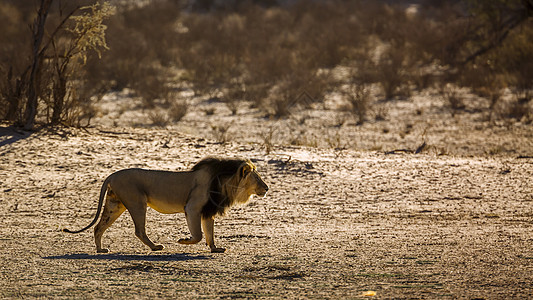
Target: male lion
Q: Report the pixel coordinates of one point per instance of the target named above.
(207, 190)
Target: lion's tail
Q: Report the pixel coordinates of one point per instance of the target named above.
(103, 192)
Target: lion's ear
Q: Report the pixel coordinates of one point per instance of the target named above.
(245, 170)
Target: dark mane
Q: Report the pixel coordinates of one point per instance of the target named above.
(221, 171)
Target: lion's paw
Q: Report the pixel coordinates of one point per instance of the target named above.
(218, 250)
(158, 248)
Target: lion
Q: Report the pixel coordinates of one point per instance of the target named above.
(211, 187)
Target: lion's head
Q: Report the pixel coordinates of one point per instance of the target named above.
(232, 181)
(250, 182)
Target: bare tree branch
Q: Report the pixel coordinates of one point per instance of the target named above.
(38, 32)
(515, 18)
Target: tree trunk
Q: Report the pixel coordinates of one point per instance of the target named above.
(14, 91)
(34, 79)
(60, 91)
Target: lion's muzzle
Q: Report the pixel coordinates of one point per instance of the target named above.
(262, 189)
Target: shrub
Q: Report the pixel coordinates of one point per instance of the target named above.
(178, 110)
(275, 55)
(519, 110)
(142, 47)
(358, 96)
(52, 74)
(221, 132)
(392, 73)
(451, 96)
(158, 118)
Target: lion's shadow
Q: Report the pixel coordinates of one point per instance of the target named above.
(131, 257)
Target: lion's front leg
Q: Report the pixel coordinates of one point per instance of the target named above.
(209, 225)
(193, 216)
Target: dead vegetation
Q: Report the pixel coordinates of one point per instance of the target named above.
(268, 54)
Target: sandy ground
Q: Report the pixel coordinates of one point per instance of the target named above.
(343, 219)
(337, 223)
(399, 124)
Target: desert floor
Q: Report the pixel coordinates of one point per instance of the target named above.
(344, 217)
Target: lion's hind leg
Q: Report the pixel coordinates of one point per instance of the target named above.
(137, 209)
(112, 210)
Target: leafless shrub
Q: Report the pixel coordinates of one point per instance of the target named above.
(220, 132)
(298, 90)
(142, 45)
(158, 118)
(380, 113)
(340, 117)
(451, 96)
(11, 91)
(493, 91)
(358, 96)
(234, 97)
(392, 72)
(336, 142)
(152, 86)
(79, 107)
(267, 140)
(515, 59)
(211, 50)
(243, 53)
(517, 109)
(178, 110)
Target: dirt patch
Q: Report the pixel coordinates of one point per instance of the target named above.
(336, 223)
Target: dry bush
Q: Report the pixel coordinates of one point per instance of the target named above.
(452, 98)
(267, 140)
(487, 84)
(508, 66)
(178, 110)
(211, 51)
(47, 83)
(14, 51)
(268, 55)
(158, 118)
(298, 90)
(515, 59)
(234, 96)
(392, 49)
(168, 109)
(152, 87)
(142, 44)
(121, 67)
(392, 73)
(358, 96)
(401, 54)
(438, 33)
(276, 55)
(84, 32)
(221, 132)
(513, 109)
(326, 32)
(520, 111)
